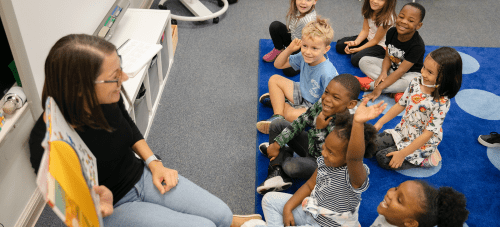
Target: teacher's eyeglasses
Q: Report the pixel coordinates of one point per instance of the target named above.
(117, 80)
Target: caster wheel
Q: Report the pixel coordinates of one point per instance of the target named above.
(216, 20)
(173, 22)
(220, 3)
(162, 6)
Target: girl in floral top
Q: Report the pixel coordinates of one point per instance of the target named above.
(414, 141)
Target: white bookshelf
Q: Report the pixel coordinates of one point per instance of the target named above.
(148, 26)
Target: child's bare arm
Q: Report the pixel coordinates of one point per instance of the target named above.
(399, 156)
(356, 146)
(361, 36)
(396, 75)
(282, 61)
(392, 113)
(384, 81)
(297, 198)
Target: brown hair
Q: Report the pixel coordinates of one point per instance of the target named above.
(449, 78)
(71, 67)
(319, 28)
(384, 17)
(292, 12)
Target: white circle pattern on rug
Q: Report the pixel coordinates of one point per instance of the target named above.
(479, 103)
(469, 64)
(420, 171)
(494, 156)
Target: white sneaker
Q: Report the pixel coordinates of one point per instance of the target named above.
(253, 223)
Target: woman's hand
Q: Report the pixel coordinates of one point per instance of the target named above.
(322, 121)
(106, 200)
(288, 219)
(273, 150)
(163, 178)
(397, 159)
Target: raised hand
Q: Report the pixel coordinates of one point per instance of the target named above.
(365, 113)
(295, 45)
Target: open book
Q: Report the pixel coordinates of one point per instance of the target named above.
(68, 172)
(136, 54)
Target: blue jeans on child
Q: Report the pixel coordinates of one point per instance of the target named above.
(272, 205)
(187, 204)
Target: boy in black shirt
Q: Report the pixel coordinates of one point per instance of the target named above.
(403, 59)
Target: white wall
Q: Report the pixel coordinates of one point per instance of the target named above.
(32, 27)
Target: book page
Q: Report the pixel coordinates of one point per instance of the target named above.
(136, 54)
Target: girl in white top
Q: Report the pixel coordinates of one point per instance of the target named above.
(299, 14)
(378, 18)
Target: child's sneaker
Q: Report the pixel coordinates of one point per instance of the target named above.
(398, 96)
(263, 126)
(491, 140)
(253, 223)
(240, 220)
(263, 148)
(276, 181)
(265, 99)
(364, 82)
(271, 56)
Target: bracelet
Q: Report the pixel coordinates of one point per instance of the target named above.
(150, 159)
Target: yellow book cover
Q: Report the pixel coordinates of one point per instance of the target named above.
(68, 172)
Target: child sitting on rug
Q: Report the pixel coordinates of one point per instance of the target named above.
(403, 59)
(378, 17)
(299, 14)
(340, 95)
(331, 197)
(416, 203)
(413, 143)
(315, 73)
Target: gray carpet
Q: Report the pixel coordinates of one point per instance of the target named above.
(205, 124)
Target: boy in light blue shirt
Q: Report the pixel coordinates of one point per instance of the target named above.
(290, 99)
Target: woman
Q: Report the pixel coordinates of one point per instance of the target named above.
(83, 75)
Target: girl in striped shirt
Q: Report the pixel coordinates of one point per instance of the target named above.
(331, 197)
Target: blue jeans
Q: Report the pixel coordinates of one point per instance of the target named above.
(184, 205)
(272, 205)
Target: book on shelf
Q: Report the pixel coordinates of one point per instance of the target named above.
(68, 172)
(136, 54)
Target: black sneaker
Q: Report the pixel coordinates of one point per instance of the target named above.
(265, 99)
(263, 148)
(276, 181)
(491, 140)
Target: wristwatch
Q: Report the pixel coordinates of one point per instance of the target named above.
(151, 158)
